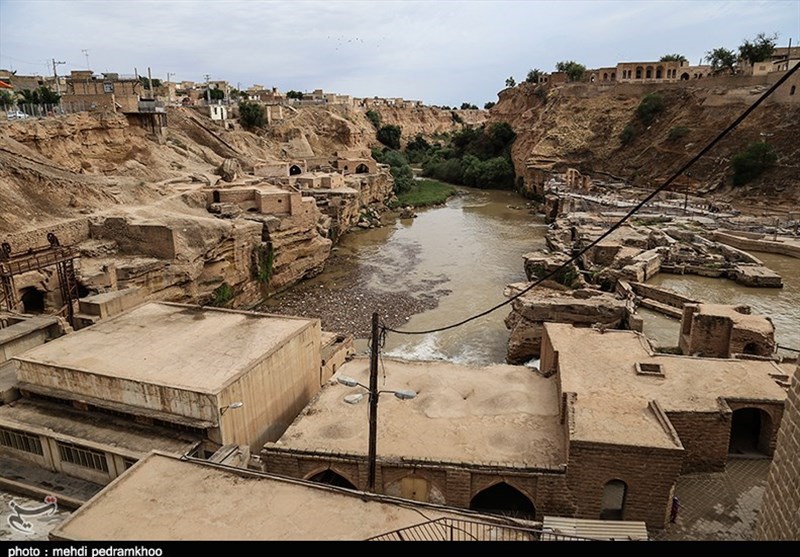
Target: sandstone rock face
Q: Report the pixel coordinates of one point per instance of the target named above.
(583, 308)
(229, 170)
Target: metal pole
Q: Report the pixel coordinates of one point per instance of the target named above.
(373, 403)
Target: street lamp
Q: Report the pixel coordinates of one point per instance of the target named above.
(231, 406)
(373, 394)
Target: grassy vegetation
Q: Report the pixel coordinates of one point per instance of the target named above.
(424, 193)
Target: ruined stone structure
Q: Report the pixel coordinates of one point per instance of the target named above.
(649, 71)
(780, 508)
(107, 92)
(719, 331)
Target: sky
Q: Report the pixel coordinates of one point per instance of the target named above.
(443, 52)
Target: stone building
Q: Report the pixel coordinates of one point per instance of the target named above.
(208, 502)
(109, 91)
(649, 72)
(602, 431)
(171, 377)
(720, 331)
(780, 508)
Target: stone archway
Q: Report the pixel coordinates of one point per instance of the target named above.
(503, 499)
(362, 169)
(32, 300)
(684, 76)
(294, 170)
(330, 477)
(751, 430)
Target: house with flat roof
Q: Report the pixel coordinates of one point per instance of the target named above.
(172, 377)
(165, 498)
(602, 430)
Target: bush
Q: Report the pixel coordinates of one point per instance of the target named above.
(651, 106)
(222, 295)
(251, 115)
(752, 162)
(374, 117)
(677, 132)
(488, 105)
(390, 136)
(456, 118)
(627, 135)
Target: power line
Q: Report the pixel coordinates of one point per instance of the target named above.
(619, 223)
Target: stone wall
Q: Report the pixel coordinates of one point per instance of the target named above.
(705, 437)
(780, 508)
(155, 240)
(762, 244)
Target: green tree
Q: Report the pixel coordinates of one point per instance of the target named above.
(752, 162)
(759, 50)
(468, 106)
(651, 106)
(6, 98)
(573, 70)
(390, 136)
(41, 95)
(294, 95)
(374, 117)
(251, 115)
(214, 94)
(627, 135)
(144, 81)
(722, 59)
(510, 82)
(488, 105)
(673, 58)
(534, 76)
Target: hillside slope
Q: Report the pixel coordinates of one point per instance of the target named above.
(581, 124)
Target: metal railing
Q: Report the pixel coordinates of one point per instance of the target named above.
(459, 530)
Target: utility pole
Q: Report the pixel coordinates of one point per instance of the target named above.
(208, 91)
(55, 74)
(150, 83)
(169, 89)
(372, 457)
(86, 54)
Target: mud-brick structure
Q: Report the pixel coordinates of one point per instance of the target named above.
(602, 430)
(780, 509)
(170, 377)
(719, 331)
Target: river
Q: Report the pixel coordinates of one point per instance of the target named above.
(454, 261)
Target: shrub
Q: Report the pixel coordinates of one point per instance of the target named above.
(677, 132)
(222, 295)
(488, 105)
(627, 135)
(752, 162)
(375, 118)
(651, 106)
(390, 136)
(251, 115)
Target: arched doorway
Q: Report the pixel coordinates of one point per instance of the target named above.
(505, 500)
(32, 300)
(294, 170)
(751, 348)
(613, 504)
(362, 169)
(684, 76)
(750, 432)
(330, 477)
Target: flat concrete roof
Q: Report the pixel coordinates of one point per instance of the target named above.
(612, 398)
(92, 429)
(163, 498)
(499, 415)
(198, 349)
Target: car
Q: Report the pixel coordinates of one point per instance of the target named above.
(16, 115)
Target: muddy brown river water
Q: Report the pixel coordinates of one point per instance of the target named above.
(454, 261)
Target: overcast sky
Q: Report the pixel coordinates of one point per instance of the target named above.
(442, 52)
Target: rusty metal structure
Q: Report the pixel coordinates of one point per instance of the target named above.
(36, 259)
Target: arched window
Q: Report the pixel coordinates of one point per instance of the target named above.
(505, 500)
(613, 505)
(638, 72)
(332, 478)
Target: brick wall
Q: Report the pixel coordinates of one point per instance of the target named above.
(705, 437)
(780, 508)
(137, 239)
(771, 416)
(649, 473)
(710, 336)
(68, 232)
